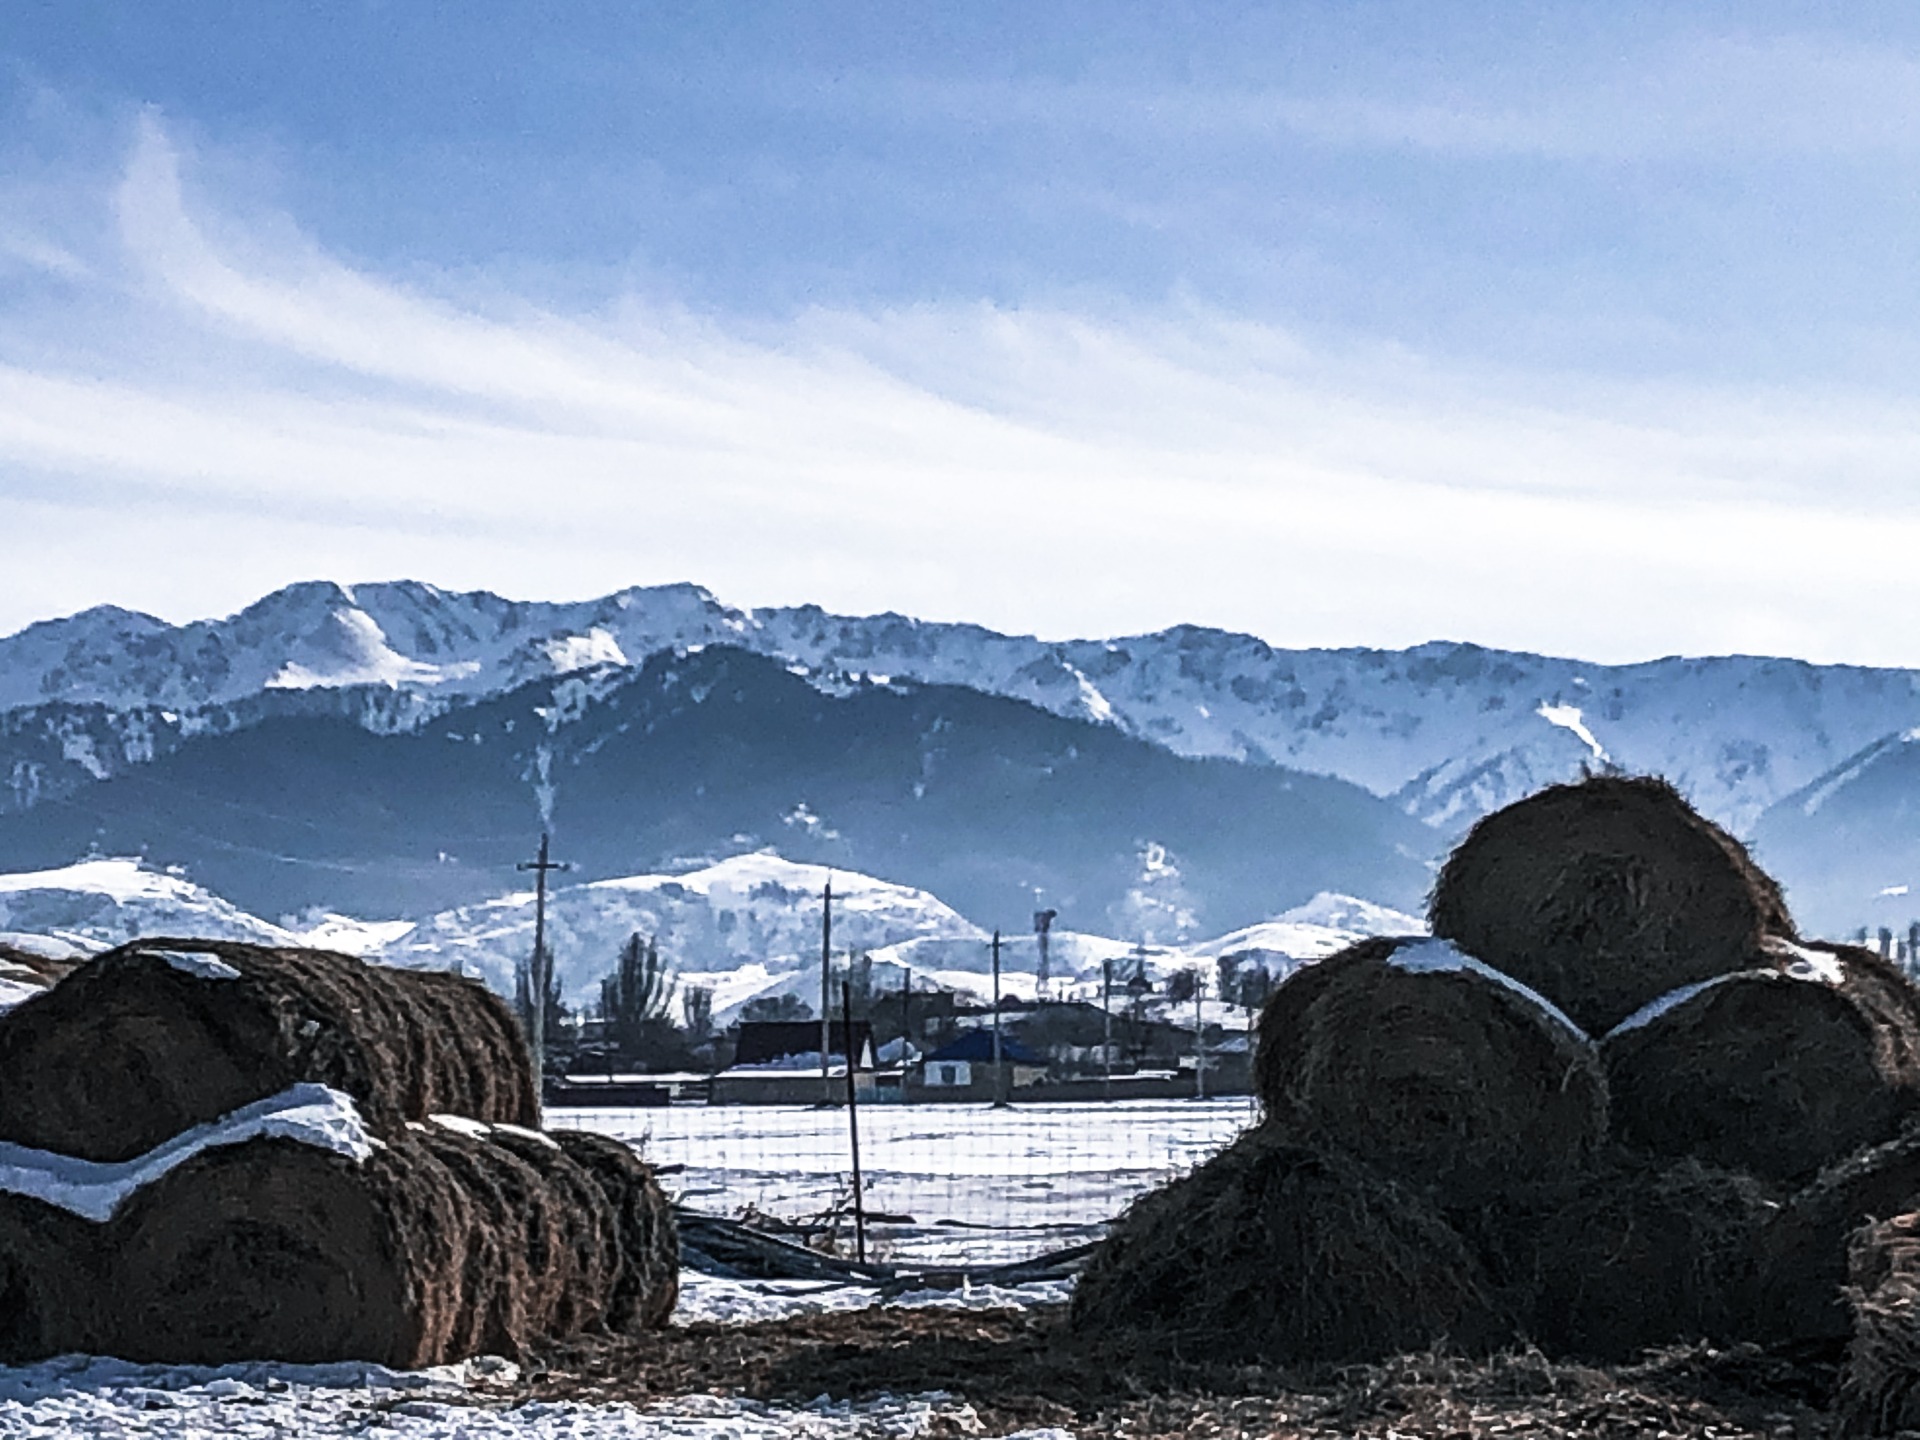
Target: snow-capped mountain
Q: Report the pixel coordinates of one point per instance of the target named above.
(700, 755)
(1448, 730)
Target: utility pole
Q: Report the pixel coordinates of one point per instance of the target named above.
(826, 994)
(1106, 1026)
(1043, 968)
(1199, 1035)
(540, 967)
(999, 1067)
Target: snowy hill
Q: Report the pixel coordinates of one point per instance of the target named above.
(746, 927)
(100, 903)
(1448, 730)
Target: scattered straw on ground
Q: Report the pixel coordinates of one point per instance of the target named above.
(1019, 1369)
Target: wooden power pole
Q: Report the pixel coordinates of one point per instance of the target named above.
(826, 994)
(539, 967)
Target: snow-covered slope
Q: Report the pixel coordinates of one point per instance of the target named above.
(99, 903)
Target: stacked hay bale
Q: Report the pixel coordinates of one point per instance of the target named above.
(214, 1152)
(1614, 1095)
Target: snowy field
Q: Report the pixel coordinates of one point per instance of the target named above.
(968, 1182)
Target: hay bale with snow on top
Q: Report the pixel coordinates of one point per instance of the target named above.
(1880, 1384)
(647, 1286)
(1633, 1256)
(1779, 1070)
(1604, 895)
(1431, 1067)
(1279, 1253)
(51, 1287)
(436, 1246)
(158, 1036)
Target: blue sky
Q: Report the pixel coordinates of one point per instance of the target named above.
(1580, 328)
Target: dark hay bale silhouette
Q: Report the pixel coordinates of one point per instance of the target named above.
(1804, 1262)
(1880, 1386)
(50, 1282)
(1604, 895)
(1280, 1253)
(1633, 1256)
(1433, 1071)
(1778, 1071)
(441, 1245)
(647, 1286)
(188, 1049)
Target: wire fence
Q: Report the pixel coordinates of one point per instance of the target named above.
(946, 1184)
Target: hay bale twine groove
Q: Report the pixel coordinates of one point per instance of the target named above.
(1276, 1252)
(647, 1286)
(1779, 1070)
(1605, 894)
(439, 1246)
(199, 1028)
(1432, 1068)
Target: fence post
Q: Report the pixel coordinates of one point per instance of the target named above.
(853, 1126)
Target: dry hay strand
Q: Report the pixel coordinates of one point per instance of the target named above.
(1804, 1247)
(1779, 1070)
(1448, 1077)
(1605, 894)
(440, 1246)
(1276, 1252)
(647, 1285)
(1880, 1386)
(188, 1049)
(1629, 1258)
(50, 1283)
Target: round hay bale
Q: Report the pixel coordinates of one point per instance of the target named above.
(1630, 1257)
(1880, 1384)
(1432, 1068)
(50, 1283)
(1279, 1253)
(440, 1246)
(647, 1285)
(1804, 1247)
(198, 1028)
(1778, 1070)
(1604, 894)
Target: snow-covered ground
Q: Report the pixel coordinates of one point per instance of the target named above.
(976, 1184)
(78, 1395)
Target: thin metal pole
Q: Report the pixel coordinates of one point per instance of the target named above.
(853, 1127)
(826, 990)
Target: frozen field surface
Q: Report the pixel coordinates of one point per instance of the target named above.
(958, 1182)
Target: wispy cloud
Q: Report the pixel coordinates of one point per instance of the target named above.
(1026, 468)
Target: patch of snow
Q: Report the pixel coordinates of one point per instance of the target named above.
(79, 749)
(266, 1400)
(354, 937)
(711, 1300)
(357, 653)
(201, 967)
(313, 1115)
(1430, 957)
(1893, 890)
(12, 992)
(1568, 717)
(1654, 1009)
(577, 652)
